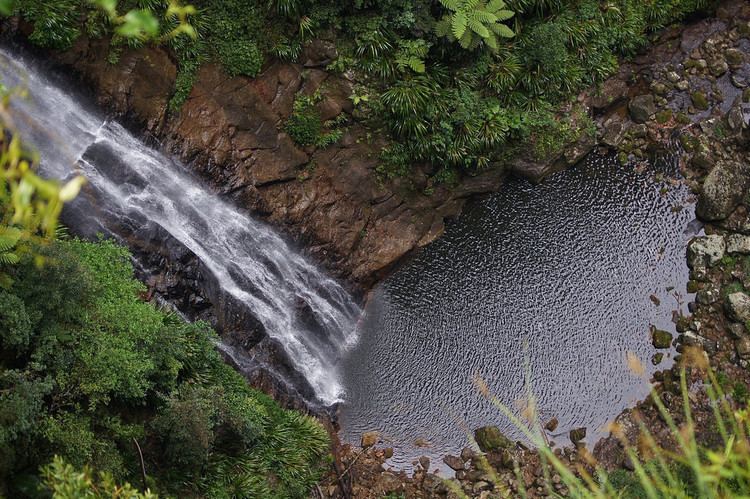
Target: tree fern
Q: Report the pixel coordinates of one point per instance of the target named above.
(475, 22)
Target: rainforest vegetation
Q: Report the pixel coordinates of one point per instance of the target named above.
(456, 84)
(99, 387)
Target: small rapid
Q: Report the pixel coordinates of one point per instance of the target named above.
(305, 311)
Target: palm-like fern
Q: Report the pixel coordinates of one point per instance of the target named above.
(472, 22)
(9, 237)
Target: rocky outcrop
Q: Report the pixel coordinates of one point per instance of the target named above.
(330, 199)
(723, 190)
(230, 130)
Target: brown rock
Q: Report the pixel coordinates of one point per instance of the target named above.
(551, 424)
(453, 462)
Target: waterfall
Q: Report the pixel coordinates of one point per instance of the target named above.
(247, 258)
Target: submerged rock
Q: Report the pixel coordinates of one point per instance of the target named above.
(490, 438)
(705, 251)
(723, 190)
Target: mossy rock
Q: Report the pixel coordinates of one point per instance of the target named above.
(661, 339)
(746, 95)
(699, 100)
(490, 438)
(664, 116)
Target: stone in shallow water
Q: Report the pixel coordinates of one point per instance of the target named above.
(490, 438)
(738, 306)
(577, 435)
(661, 338)
(455, 463)
(551, 424)
(705, 251)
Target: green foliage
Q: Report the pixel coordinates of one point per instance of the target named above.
(65, 482)
(87, 369)
(305, 126)
(473, 22)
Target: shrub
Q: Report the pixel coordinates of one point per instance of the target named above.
(87, 368)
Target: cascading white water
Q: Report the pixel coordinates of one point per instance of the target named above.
(247, 258)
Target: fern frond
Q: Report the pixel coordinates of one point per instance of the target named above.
(478, 28)
(458, 24)
(503, 15)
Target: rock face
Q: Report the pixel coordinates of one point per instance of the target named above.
(705, 251)
(230, 130)
(723, 190)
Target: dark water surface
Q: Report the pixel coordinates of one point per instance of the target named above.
(559, 275)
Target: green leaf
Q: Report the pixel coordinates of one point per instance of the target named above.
(503, 31)
(479, 28)
(491, 42)
(443, 26)
(453, 5)
(502, 15)
(458, 24)
(495, 5)
(465, 41)
(416, 65)
(484, 17)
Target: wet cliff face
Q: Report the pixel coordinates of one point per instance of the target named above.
(231, 131)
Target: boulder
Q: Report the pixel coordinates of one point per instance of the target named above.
(424, 462)
(455, 463)
(489, 438)
(718, 66)
(738, 306)
(660, 338)
(734, 57)
(738, 243)
(705, 251)
(577, 435)
(699, 100)
(742, 346)
(641, 108)
(551, 424)
(723, 190)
